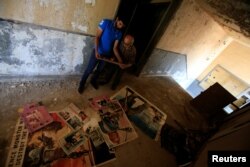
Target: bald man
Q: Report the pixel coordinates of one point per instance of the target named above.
(128, 54)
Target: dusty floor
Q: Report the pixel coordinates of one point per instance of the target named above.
(56, 93)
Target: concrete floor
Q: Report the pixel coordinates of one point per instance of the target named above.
(56, 93)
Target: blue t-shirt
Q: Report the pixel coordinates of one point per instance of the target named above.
(109, 35)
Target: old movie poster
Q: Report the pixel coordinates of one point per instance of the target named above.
(100, 151)
(139, 110)
(114, 125)
(72, 141)
(42, 148)
(35, 116)
(71, 116)
(18, 145)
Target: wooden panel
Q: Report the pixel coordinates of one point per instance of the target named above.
(230, 82)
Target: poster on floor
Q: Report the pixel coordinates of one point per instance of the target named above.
(35, 116)
(100, 151)
(73, 117)
(114, 125)
(116, 128)
(42, 148)
(139, 110)
(18, 145)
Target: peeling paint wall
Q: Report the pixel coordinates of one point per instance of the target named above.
(233, 16)
(71, 15)
(194, 33)
(40, 48)
(33, 50)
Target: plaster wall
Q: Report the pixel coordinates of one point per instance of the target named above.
(33, 50)
(49, 37)
(70, 15)
(194, 33)
(235, 58)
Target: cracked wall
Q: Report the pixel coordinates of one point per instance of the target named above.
(27, 49)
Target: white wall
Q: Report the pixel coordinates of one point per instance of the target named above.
(194, 33)
(71, 15)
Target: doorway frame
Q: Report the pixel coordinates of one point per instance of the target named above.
(159, 31)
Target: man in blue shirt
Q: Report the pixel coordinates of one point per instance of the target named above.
(106, 43)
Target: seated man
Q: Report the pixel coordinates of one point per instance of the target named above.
(128, 52)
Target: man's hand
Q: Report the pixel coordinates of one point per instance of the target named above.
(123, 66)
(97, 55)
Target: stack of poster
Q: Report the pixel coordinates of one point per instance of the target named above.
(35, 117)
(75, 119)
(72, 137)
(42, 148)
(139, 110)
(114, 125)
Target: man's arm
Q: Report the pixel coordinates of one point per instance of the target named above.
(116, 51)
(97, 39)
(132, 55)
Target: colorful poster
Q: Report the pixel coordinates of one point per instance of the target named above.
(80, 112)
(72, 141)
(35, 117)
(18, 145)
(43, 148)
(73, 116)
(96, 136)
(99, 103)
(115, 126)
(139, 110)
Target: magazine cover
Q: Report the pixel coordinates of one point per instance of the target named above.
(43, 148)
(35, 117)
(144, 114)
(70, 116)
(115, 126)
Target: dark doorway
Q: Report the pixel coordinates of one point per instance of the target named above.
(147, 21)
